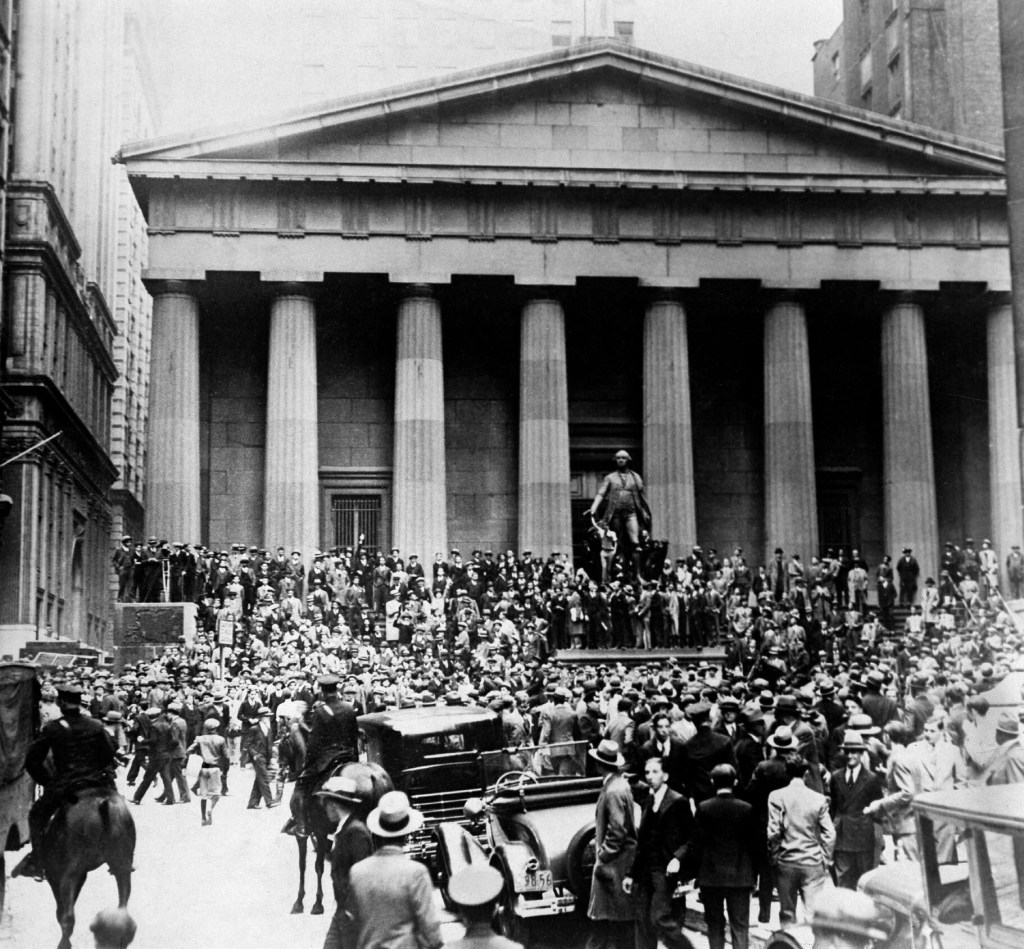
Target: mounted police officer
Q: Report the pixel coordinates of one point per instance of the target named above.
(84, 755)
(333, 740)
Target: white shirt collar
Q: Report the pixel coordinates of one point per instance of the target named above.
(659, 796)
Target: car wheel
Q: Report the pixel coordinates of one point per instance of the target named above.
(580, 857)
(507, 923)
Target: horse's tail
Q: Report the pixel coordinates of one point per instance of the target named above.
(105, 814)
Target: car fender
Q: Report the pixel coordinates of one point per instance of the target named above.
(456, 850)
(514, 859)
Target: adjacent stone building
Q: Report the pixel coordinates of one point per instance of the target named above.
(431, 314)
(71, 289)
(935, 62)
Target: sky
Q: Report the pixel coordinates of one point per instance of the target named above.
(221, 60)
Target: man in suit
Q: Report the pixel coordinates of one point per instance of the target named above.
(908, 570)
(700, 755)
(769, 775)
(801, 841)
(749, 744)
(347, 808)
(724, 840)
(559, 727)
(611, 909)
(123, 562)
(259, 744)
(853, 788)
(666, 826)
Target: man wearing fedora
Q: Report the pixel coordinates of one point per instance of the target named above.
(347, 807)
(801, 839)
(1006, 766)
(611, 909)
(769, 775)
(854, 787)
(475, 891)
(259, 744)
(390, 897)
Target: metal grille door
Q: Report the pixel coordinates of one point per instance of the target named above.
(355, 514)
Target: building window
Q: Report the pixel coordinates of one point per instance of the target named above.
(892, 39)
(836, 66)
(355, 514)
(624, 31)
(866, 71)
(561, 32)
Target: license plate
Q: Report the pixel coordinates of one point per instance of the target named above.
(537, 881)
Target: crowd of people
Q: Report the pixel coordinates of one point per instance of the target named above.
(824, 708)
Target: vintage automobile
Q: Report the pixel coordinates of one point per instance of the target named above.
(978, 902)
(538, 832)
(487, 803)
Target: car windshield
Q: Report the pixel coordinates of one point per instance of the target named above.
(1005, 881)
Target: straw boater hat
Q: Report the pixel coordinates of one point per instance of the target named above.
(782, 739)
(341, 790)
(394, 816)
(475, 886)
(607, 753)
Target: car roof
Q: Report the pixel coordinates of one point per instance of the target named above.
(999, 807)
(426, 721)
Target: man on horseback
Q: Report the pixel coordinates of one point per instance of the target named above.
(84, 755)
(333, 741)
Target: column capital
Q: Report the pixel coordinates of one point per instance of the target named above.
(653, 295)
(894, 298)
(289, 288)
(415, 291)
(772, 298)
(160, 287)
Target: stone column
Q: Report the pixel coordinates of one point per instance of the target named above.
(545, 518)
(420, 487)
(291, 487)
(1004, 461)
(908, 479)
(668, 427)
(172, 470)
(791, 505)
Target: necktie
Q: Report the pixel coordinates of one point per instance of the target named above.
(849, 776)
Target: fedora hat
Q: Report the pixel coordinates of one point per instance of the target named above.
(608, 754)
(863, 723)
(1008, 724)
(853, 741)
(394, 816)
(782, 739)
(787, 703)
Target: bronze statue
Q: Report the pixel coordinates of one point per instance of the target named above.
(626, 511)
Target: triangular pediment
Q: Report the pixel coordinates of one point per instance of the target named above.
(599, 106)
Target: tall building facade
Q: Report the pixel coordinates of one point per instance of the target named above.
(67, 292)
(432, 313)
(934, 62)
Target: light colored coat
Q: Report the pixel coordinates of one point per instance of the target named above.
(616, 842)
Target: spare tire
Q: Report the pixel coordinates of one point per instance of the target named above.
(580, 857)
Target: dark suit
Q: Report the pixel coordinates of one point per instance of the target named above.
(351, 844)
(768, 776)
(662, 836)
(725, 843)
(855, 833)
(259, 746)
(697, 757)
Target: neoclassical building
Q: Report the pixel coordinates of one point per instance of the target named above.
(430, 315)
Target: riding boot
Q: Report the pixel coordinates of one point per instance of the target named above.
(29, 864)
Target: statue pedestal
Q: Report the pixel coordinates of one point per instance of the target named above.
(142, 631)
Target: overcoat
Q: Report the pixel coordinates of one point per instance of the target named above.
(616, 849)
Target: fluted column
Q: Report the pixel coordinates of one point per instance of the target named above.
(909, 466)
(545, 519)
(420, 486)
(291, 500)
(1004, 461)
(791, 506)
(668, 427)
(172, 468)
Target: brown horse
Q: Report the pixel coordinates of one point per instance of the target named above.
(373, 780)
(93, 827)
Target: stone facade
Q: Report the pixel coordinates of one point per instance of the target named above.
(546, 209)
(934, 62)
(71, 287)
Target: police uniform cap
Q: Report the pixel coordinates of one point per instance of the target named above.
(475, 886)
(328, 681)
(153, 711)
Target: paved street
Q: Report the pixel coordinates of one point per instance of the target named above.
(230, 886)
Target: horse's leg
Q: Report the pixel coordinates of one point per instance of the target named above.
(297, 905)
(123, 877)
(69, 887)
(320, 848)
